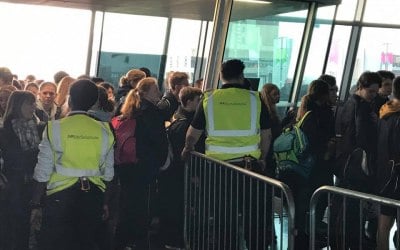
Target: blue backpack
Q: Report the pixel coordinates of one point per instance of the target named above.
(291, 151)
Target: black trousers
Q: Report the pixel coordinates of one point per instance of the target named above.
(134, 219)
(16, 213)
(70, 219)
(171, 190)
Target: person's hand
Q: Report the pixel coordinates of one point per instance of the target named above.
(106, 212)
(185, 154)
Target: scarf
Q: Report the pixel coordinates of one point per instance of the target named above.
(27, 133)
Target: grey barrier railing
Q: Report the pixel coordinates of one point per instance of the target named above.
(229, 207)
(346, 217)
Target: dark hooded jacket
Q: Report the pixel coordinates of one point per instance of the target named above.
(358, 129)
(388, 141)
(151, 139)
(121, 92)
(319, 129)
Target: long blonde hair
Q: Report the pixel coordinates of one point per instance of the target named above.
(132, 100)
(267, 99)
(63, 90)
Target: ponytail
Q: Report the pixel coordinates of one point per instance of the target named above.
(131, 104)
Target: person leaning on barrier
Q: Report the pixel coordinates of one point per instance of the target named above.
(171, 180)
(75, 162)
(388, 161)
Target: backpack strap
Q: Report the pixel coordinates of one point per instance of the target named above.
(300, 123)
(173, 123)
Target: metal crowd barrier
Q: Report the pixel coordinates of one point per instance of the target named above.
(228, 207)
(346, 217)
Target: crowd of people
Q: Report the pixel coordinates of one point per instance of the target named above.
(61, 189)
(54, 134)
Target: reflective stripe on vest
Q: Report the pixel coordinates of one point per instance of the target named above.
(75, 171)
(232, 150)
(211, 124)
(53, 185)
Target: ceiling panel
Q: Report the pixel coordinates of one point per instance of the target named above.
(189, 9)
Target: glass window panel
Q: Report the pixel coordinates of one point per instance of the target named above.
(183, 47)
(42, 40)
(337, 53)
(378, 50)
(204, 50)
(318, 47)
(131, 41)
(134, 34)
(382, 11)
(346, 10)
(267, 39)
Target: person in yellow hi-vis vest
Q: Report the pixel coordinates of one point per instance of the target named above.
(235, 120)
(238, 131)
(75, 163)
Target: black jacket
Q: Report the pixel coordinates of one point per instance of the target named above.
(358, 127)
(379, 101)
(168, 105)
(388, 141)
(16, 160)
(44, 117)
(151, 139)
(319, 128)
(177, 133)
(121, 92)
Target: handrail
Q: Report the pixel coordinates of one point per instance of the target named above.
(355, 194)
(276, 183)
(285, 190)
(346, 193)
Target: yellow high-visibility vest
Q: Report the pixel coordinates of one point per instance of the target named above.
(232, 123)
(80, 146)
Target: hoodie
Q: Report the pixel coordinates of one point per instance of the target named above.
(388, 140)
(389, 108)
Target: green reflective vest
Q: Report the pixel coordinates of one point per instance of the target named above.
(232, 123)
(80, 146)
